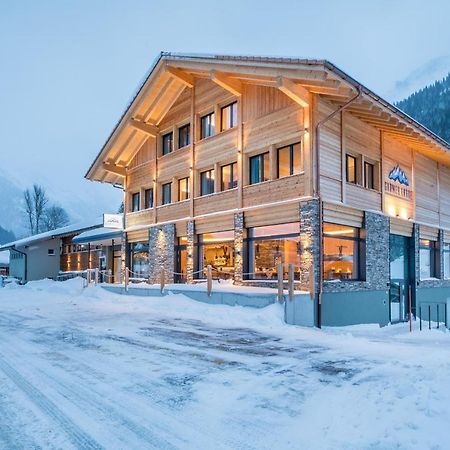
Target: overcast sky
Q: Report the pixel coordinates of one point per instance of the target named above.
(68, 68)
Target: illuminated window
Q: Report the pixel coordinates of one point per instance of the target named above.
(343, 252)
(289, 160)
(216, 250)
(207, 182)
(207, 126)
(369, 175)
(148, 198)
(166, 193)
(269, 246)
(184, 136)
(429, 259)
(228, 116)
(351, 171)
(139, 259)
(167, 143)
(259, 168)
(183, 189)
(228, 176)
(135, 201)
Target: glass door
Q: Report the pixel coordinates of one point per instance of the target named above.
(399, 258)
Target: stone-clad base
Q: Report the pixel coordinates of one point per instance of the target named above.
(162, 253)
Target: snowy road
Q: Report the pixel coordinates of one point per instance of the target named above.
(90, 370)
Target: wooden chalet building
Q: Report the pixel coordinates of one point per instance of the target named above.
(247, 162)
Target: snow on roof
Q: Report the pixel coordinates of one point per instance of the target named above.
(97, 234)
(63, 231)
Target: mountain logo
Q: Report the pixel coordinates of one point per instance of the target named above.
(398, 174)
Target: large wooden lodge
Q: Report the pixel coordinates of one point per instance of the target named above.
(243, 163)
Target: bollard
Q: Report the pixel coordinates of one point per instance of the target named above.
(280, 273)
(162, 280)
(437, 313)
(291, 281)
(209, 280)
(429, 317)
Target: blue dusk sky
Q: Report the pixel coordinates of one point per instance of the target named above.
(68, 68)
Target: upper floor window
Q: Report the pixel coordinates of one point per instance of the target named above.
(289, 160)
(369, 175)
(350, 169)
(259, 168)
(228, 116)
(207, 125)
(148, 198)
(183, 189)
(166, 193)
(228, 176)
(167, 143)
(135, 201)
(184, 136)
(207, 182)
(429, 259)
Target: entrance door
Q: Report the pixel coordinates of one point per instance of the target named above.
(400, 268)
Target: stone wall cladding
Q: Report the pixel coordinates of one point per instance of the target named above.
(162, 252)
(377, 228)
(238, 247)
(190, 234)
(309, 241)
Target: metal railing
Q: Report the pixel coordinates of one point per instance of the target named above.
(428, 307)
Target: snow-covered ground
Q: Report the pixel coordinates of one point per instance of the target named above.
(89, 369)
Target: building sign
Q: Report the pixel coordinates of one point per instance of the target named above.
(398, 184)
(113, 221)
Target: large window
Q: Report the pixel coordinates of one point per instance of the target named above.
(270, 246)
(350, 166)
(167, 143)
(207, 182)
(289, 160)
(228, 176)
(184, 136)
(166, 193)
(228, 116)
(135, 201)
(207, 126)
(429, 262)
(259, 168)
(446, 251)
(148, 198)
(139, 259)
(217, 250)
(183, 189)
(343, 252)
(369, 175)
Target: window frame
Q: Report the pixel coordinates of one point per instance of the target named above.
(169, 135)
(163, 199)
(233, 169)
(349, 156)
(211, 126)
(135, 205)
(434, 254)
(202, 174)
(146, 197)
(261, 156)
(180, 130)
(232, 122)
(372, 166)
(188, 193)
(291, 159)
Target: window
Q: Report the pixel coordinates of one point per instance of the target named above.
(166, 193)
(351, 173)
(139, 259)
(217, 250)
(207, 126)
(51, 252)
(135, 201)
(184, 136)
(428, 257)
(207, 182)
(446, 251)
(369, 175)
(167, 143)
(269, 246)
(289, 160)
(343, 253)
(228, 116)
(259, 168)
(148, 198)
(228, 176)
(183, 189)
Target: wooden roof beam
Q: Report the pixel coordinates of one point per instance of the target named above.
(294, 91)
(147, 128)
(180, 75)
(116, 170)
(224, 81)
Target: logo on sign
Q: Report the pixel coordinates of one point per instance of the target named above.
(398, 183)
(113, 221)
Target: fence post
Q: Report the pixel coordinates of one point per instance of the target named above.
(162, 280)
(429, 317)
(127, 279)
(420, 313)
(291, 281)
(280, 273)
(209, 279)
(437, 314)
(96, 276)
(410, 308)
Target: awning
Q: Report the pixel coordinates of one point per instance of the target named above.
(97, 235)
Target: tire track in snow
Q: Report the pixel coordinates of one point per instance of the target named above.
(78, 437)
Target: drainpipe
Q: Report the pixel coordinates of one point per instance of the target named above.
(25, 258)
(319, 197)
